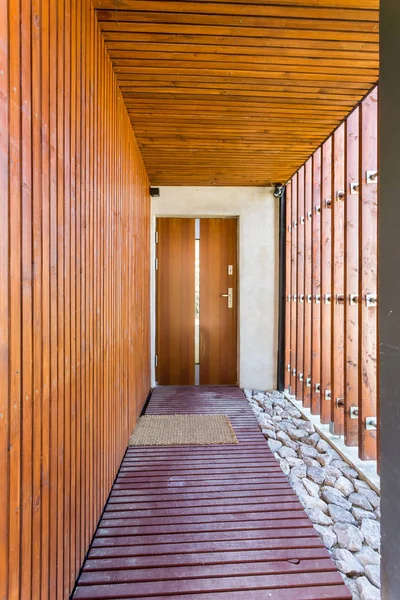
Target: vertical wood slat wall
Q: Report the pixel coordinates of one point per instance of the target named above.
(74, 290)
(331, 331)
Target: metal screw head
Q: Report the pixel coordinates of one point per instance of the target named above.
(371, 176)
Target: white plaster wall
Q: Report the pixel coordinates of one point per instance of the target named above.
(257, 210)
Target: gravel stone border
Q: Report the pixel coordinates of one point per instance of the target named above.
(344, 509)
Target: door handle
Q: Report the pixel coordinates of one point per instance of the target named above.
(229, 295)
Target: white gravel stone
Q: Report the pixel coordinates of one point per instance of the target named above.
(312, 502)
(296, 434)
(361, 485)
(360, 500)
(311, 487)
(366, 590)
(367, 556)
(284, 466)
(311, 462)
(361, 514)
(316, 474)
(349, 472)
(283, 437)
(285, 415)
(265, 421)
(333, 472)
(318, 517)
(373, 572)
(274, 445)
(331, 475)
(269, 434)
(349, 536)
(372, 497)
(259, 396)
(313, 439)
(299, 471)
(323, 446)
(340, 515)
(308, 451)
(293, 412)
(306, 426)
(333, 496)
(278, 401)
(325, 459)
(328, 537)
(340, 464)
(294, 462)
(372, 533)
(347, 563)
(284, 452)
(298, 487)
(352, 586)
(344, 485)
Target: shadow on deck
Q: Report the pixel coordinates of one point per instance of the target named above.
(216, 522)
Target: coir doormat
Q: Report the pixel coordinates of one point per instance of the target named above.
(175, 430)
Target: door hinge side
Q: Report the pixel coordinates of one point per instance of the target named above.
(156, 237)
(156, 360)
(156, 264)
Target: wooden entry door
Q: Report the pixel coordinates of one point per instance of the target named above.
(218, 301)
(176, 292)
(175, 302)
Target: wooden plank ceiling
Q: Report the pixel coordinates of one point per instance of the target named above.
(238, 93)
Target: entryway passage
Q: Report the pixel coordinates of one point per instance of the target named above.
(217, 522)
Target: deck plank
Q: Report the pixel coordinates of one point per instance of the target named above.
(206, 522)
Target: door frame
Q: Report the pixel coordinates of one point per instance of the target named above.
(153, 289)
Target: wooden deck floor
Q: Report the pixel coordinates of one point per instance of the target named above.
(207, 522)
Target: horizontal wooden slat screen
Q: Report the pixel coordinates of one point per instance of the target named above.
(74, 290)
(343, 279)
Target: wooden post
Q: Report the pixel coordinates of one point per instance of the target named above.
(316, 286)
(326, 258)
(337, 303)
(308, 215)
(351, 308)
(368, 178)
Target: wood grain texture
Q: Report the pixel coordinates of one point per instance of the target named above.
(206, 522)
(308, 214)
(74, 290)
(326, 280)
(209, 85)
(351, 283)
(316, 284)
(175, 301)
(218, 323)
(337, 304)
(368, 275)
